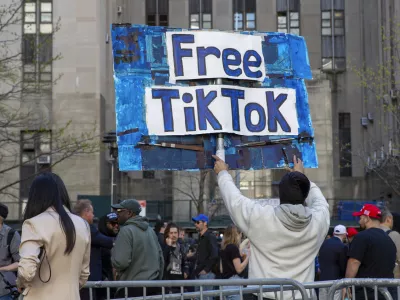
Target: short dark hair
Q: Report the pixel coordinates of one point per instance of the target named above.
(294, 188)
(159, 225)
(3, 211)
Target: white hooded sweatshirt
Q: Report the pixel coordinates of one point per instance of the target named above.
(285, 240)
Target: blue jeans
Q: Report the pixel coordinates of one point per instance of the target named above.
(210, 275)
(231, 287)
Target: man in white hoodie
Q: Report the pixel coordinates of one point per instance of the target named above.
(286, 239)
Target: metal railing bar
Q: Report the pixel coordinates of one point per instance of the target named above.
(185, 283)
(362, 282)
(213, 293)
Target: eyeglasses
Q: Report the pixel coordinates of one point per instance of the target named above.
(114, 224)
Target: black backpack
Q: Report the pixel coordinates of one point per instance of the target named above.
(9, 239)
(10, 236)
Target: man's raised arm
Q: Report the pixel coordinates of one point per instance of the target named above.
(240, 208)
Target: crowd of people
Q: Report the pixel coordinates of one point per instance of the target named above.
(61, 248)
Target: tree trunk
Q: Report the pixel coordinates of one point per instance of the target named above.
(202, 187)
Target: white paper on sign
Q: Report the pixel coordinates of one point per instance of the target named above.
(212, 109)
(208, 54)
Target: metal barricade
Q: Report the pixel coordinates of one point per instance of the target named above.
(379, 286)
(312, 286)
(241, 287)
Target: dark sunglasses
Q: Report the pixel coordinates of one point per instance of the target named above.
(114, 223)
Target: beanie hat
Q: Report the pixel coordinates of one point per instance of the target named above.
(294, 188)
(3, 211)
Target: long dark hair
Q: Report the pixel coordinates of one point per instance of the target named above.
(45, 193)
(63, 191)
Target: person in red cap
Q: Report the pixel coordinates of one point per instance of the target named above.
(351, 233)
(372, 253)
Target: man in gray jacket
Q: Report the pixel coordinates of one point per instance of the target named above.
(137, 255)
(387, 226)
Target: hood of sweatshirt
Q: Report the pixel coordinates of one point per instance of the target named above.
(139, 222)
(293, 217)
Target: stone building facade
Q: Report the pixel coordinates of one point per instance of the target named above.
(341, 36)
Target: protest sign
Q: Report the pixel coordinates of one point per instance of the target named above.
(215, 108)
(213, 54)
(169, 111)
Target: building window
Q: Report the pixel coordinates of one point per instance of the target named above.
(288, 14)
(37, 45)
(148, 174)
(244, 14)
(35, 157)
(157, 12)
(333, 35)
(345, 160)
(161, 208)
(200, 13)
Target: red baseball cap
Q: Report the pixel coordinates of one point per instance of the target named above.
(351, 232)
(369, 210)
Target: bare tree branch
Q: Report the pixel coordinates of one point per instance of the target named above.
(16, 115)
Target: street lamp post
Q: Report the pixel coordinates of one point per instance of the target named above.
(110, 139)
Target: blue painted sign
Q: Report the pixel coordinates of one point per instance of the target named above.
(168, 109)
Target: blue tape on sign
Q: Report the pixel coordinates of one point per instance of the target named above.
(140, 61)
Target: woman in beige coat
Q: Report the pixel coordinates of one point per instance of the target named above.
(55, 244)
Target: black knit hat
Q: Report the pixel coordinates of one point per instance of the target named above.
(294, 188)
(3, 211)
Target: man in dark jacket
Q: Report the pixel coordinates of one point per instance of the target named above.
(333, 260)
(84, 209)
(207, 251)
(159, 229)
(108, 225)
